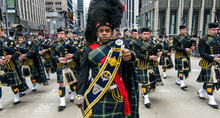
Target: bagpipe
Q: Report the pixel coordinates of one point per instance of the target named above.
(191, 42)
(157, 47)
(67, 73)
(8, 49)
(25, 69)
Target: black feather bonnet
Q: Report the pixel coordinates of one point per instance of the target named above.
(103, 12)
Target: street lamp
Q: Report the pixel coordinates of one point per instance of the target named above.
(48, 24)
(54, 24)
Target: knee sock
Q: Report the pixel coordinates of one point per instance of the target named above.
(62, 91)
(145, 89)
(164, 69)
(180, 75)
(14, 89)
(33, 80)
(209, 89)
(73, 87)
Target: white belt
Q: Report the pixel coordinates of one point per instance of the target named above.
(67, 61)
(215, 55)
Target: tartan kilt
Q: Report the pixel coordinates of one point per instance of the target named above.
(34, 72)
(107, 107)
(48, 64)
(162, 61)
(142, 75)
(179, 65)
(205, 75)
(23, 87)
(13, 78)
(157, 74)
(60, 75)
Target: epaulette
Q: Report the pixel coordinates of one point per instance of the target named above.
(204, 36)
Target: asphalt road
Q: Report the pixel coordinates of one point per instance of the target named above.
(168, 101)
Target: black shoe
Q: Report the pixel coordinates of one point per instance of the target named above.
(48, 78)
(34, 90)
(15, 103)
(147, 105)
(177, 84)
(46, 83)
(0, 109)
(203, 98)
(214, 106)
(164, 77)
(60, 108)
(183, 87)
(22, 94)
(71, 100)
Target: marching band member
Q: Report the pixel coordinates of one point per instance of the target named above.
(165, 59)
(45, 51)
(147, 65)
(111, 91)
(209, 47)
(126, 35)
(59, 55)
(182, 56)
(30, 59)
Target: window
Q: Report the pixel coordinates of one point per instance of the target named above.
(48, 9)
(59, 9)
(58, 3)
(173, 21)
(49, 3)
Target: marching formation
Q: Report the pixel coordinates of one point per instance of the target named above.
(103, 72)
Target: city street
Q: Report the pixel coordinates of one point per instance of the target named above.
(168, 101)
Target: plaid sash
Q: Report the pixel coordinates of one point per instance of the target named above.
(211, 41)
(98, 53)
(182, 39)
(61, 46)
(144, 46)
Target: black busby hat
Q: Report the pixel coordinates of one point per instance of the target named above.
(103, 12)
(60, 29)
(125, 30)
(213, 25)
(134, 30)
(182, 27)
(145, 30)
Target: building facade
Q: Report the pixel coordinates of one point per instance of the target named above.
(62, 7)
(165, 16)
(131, 15)
(80, 14)
(29, 14)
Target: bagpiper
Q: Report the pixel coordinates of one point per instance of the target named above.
(133, 39)
(209, 47)
(31, 62)
(126, 35)
(9, 74)
(165, 59)
(45, 51)
(181, 44)
(111, 91)
(64, 55)
(148, 52)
